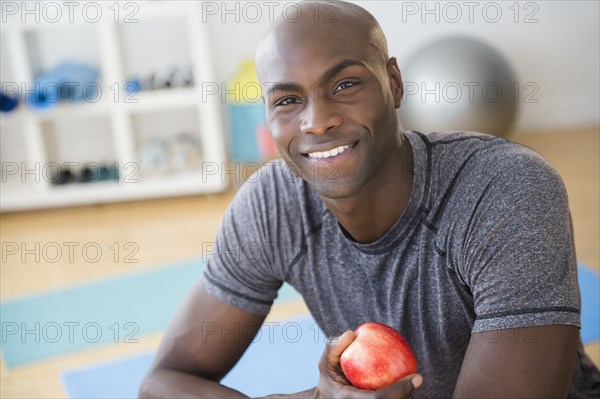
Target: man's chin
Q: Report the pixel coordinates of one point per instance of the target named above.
(327, 180)
(334, 190)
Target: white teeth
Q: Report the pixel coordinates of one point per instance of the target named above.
(330, 153)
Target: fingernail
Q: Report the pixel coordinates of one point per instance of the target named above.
(417, 381)
(343, 336)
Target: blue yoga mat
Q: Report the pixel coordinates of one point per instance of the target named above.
(589, 284)
(282, 359)
(118, 379)
(117, 310)
(120, 310)
(112, 311)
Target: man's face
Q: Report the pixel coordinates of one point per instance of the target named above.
(330, 103)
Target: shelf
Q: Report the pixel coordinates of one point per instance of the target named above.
(103, 192)
(142, 101)
(115, 128)
(165, 99)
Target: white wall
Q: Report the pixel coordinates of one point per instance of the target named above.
(558, 50)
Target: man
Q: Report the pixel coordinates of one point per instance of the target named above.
(460, 241)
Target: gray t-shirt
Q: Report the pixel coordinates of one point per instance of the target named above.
(484, 244)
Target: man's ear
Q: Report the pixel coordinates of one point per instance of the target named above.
(396, 84)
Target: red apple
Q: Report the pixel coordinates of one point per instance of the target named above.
(378, 357)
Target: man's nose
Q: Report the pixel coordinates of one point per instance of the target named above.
(320, 116)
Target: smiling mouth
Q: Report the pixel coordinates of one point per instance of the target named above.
(330, 153)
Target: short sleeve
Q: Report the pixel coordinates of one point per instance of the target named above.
(241, 267)
(518, 256)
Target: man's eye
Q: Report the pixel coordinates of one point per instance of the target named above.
(287, 101)
(344, 85)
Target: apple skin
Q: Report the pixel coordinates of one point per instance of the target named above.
(378, 357)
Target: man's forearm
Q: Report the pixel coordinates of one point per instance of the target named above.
(171, 384)
(165, 383)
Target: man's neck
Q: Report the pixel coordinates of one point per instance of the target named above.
(368, 215)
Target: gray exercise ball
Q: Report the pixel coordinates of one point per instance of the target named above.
(458, 83)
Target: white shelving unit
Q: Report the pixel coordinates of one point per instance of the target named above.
(111, 129)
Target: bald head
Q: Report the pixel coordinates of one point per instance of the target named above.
(335, 22)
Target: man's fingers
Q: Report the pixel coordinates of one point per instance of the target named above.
(332, 378)
(336, 349)
(402, 388)
(330, 360)
(416, 380)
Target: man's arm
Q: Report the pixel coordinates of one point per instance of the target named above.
(532, 362)
(204, 341)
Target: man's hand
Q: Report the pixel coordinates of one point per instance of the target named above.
(333, 384)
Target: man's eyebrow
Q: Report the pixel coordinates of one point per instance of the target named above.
(330, 73)
(273, 86)
(337, 68)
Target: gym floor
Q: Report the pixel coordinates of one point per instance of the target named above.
(170, 230)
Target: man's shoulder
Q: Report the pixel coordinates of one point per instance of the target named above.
(461, 142)
(448, 137)
(491, 152)
(467, 165)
